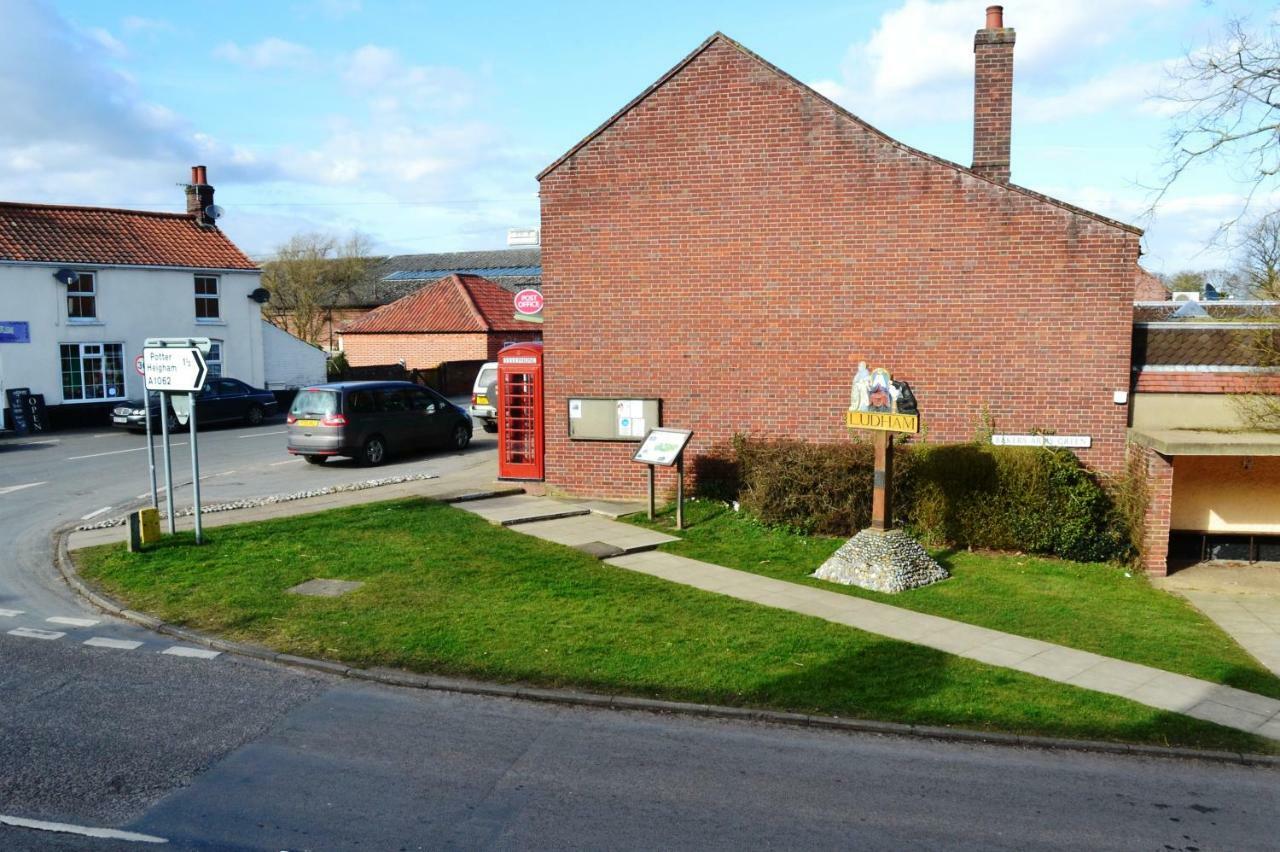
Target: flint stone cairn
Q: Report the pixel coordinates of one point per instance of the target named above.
(889, 561)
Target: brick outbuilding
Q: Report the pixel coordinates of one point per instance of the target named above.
(460, 321)
(732, 242)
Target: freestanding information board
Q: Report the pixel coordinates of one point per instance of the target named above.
(665, 447)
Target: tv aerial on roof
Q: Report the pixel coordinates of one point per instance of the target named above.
(213, 211)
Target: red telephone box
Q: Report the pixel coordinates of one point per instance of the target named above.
(520, 411)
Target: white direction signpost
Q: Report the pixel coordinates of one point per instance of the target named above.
(175, 365)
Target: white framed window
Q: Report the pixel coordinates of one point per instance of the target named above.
(92, 372)
(207, 306)
(214, 359)
(82, 297)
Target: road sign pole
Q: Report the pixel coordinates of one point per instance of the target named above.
(680, 491)
(195, 470)
(151, 448)
(168, 467)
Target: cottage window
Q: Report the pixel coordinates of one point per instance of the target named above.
(92, 371)
(82, 297)
(214, 359)
(207, 298)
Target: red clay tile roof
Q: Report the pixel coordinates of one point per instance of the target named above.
(454, 303)
(45, 233)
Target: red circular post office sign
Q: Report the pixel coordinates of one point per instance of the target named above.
(529, 301)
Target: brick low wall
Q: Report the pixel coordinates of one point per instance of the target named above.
(733, 244)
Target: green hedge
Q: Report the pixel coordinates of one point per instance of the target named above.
(1030, 499)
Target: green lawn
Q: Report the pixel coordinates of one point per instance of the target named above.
(1092, 607)
(446, 592)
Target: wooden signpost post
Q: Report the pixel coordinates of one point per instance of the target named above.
(880, 557)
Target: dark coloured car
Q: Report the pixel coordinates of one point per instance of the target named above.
(369, 421)
(221, 401)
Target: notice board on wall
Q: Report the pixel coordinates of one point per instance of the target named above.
(612, 418)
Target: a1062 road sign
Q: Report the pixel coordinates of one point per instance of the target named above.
(175, 369)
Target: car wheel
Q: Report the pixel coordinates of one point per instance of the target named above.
(374, 451)
(490, 426)
(461, 437)
(316, 459)
(254, 415)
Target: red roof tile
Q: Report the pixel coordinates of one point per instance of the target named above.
(454, 303)
(45, 233)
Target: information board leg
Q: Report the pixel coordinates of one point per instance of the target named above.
(651, 513)
(168, 466)
(151, 449)
(195, 470)
(680, 492)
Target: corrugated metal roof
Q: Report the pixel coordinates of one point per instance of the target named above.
(488, 272)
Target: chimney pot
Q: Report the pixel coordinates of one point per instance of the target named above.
(195, 175)
(995, 17)
(200, 197)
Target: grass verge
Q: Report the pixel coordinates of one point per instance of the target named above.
(1089, 606)
(446, 592)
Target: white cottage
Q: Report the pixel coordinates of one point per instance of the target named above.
(81, 288)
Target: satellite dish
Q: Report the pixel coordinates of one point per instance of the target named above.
(66, 276)
(261, 295)
(213, 211)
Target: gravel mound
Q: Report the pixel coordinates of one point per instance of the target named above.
(889, 561)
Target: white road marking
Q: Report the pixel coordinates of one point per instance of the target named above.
(201, 653)
(82, 830)
(118, 452)
(35, 633)
(286, 461)
(9, 489)
(10, 613)
(264, 434)
(94, 513)
(67, 621)
(122, 644)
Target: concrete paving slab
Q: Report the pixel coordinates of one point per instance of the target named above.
(613, 509)
(1232, 717)
(322, 588)
(521, 509)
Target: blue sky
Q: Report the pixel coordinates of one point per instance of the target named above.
(424, 124)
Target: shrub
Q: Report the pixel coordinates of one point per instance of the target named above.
(969, 495)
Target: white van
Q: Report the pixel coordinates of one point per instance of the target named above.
(484, 396)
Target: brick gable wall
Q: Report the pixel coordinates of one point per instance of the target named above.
(426, 351)
(733, 244)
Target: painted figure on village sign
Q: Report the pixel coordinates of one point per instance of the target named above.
(875, 391)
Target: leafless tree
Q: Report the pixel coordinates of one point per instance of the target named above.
(1260, 257)
(1260, 269)
(1228, 99)
(307, 275)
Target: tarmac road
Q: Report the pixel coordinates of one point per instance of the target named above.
(227, 753)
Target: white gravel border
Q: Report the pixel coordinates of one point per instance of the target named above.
(253, 502)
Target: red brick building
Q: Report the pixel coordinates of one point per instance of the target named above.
(460, 321)
(732, 242)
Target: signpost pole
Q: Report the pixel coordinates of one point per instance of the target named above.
(650, 491)
(195, 470)
(882, 495)
(679, 491)
(168, 466)
(151, 448)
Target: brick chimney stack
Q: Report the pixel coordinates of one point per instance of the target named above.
(200, 197)
(993, 96)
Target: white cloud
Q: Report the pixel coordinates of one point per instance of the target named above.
(109, 43)
(271, 52)
(393, 82)
(918, 62)
(136, 25)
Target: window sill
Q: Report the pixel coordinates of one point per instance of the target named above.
(85, 322)
(211, 322)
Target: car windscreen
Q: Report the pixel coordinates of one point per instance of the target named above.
(314, 402)
(487, 375)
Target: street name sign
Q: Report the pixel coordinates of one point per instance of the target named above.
(174, 369)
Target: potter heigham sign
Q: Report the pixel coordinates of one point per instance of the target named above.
(175, 369)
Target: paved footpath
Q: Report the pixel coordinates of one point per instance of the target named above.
(632, 548)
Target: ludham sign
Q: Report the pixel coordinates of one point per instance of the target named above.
(884, 422)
